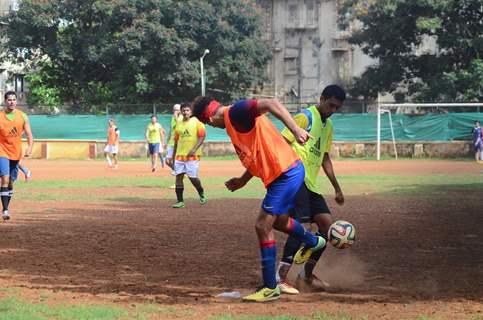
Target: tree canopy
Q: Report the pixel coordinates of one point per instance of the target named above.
(427, 50)
(139, 51)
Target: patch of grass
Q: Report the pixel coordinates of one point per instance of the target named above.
(15, 308)
(431, 185)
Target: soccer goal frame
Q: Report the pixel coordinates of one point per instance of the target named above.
(383, 108)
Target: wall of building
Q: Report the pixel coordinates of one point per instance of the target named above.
(309, 50)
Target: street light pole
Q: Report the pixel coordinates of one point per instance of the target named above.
(203, 72)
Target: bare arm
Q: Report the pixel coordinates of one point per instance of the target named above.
(329, 171)
(236, 183)
(162, 134)
(280, 112)
(175, 147)
(197, 145)
(30, 138)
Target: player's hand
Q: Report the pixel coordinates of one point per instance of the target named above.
(301, 136)
(339, 197)
(191, 153)
(28, 152)
(234, 184)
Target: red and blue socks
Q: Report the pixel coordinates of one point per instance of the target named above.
(296, 230)
(268, 251)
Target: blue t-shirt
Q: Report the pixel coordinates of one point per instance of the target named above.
(243, 114)
(477, 133)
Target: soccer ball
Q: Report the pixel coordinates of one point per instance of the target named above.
(342, 234)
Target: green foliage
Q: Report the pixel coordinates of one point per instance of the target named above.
(399, 33)
(141, 51)
(42, 94)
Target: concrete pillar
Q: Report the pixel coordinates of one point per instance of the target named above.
(418, 150)
(360, 149)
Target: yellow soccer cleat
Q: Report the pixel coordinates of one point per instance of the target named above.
(287, 288)
(304, 253)
(263, 295)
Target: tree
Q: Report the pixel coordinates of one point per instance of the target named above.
(430, 48)
(140, 51)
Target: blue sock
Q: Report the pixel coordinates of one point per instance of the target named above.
(268, 250)
(24, 170)
(297, 231)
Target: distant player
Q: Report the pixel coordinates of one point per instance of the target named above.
(155, 140)
(112, 146)
(265, 154)
(188, 137)
(310, 205)
(174, 119)
(13, 123)
(478, 141)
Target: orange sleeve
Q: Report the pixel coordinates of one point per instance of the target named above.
(201, 129)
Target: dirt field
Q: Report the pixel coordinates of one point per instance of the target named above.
(413, 256)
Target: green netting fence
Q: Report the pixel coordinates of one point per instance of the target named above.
(347, 127)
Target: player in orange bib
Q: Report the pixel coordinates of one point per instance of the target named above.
(264, 153)
(112, 146)
(13, 123)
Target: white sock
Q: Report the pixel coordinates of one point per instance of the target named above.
(109, 162)
(277, 275)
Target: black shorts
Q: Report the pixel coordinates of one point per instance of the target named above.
(307, 205)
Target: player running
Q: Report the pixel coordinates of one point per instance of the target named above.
(265, 154)
(310, 205)
(188, 137)
(13, 123)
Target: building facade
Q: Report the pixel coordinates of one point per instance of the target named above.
(11, 75)
(309, 50)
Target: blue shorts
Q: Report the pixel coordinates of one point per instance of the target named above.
(280, 197)
(9, 168)
(153, 148)
(478, 146)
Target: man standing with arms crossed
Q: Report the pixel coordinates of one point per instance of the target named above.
(13, 123)
(310, 205)
(189, 136)
(155, 139)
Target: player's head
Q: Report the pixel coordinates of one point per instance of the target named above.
(204, 108)
(477, 123)
(154, 119)
(331, 100)
(10, 100)
(186, 111)
(111, 122)
(176, 109)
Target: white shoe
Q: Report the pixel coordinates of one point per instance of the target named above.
(287, 288)
(5, 215)
(28, 175)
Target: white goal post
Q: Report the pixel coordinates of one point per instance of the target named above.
(383, 108)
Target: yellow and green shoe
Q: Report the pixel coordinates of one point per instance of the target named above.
(178, 205)
(304, 253)
(263, 295)
(203, 200)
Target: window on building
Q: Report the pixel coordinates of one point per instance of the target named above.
(310, 13)
(290, 65)
(293, 15)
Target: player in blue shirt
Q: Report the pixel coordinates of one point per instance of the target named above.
(477, 141)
